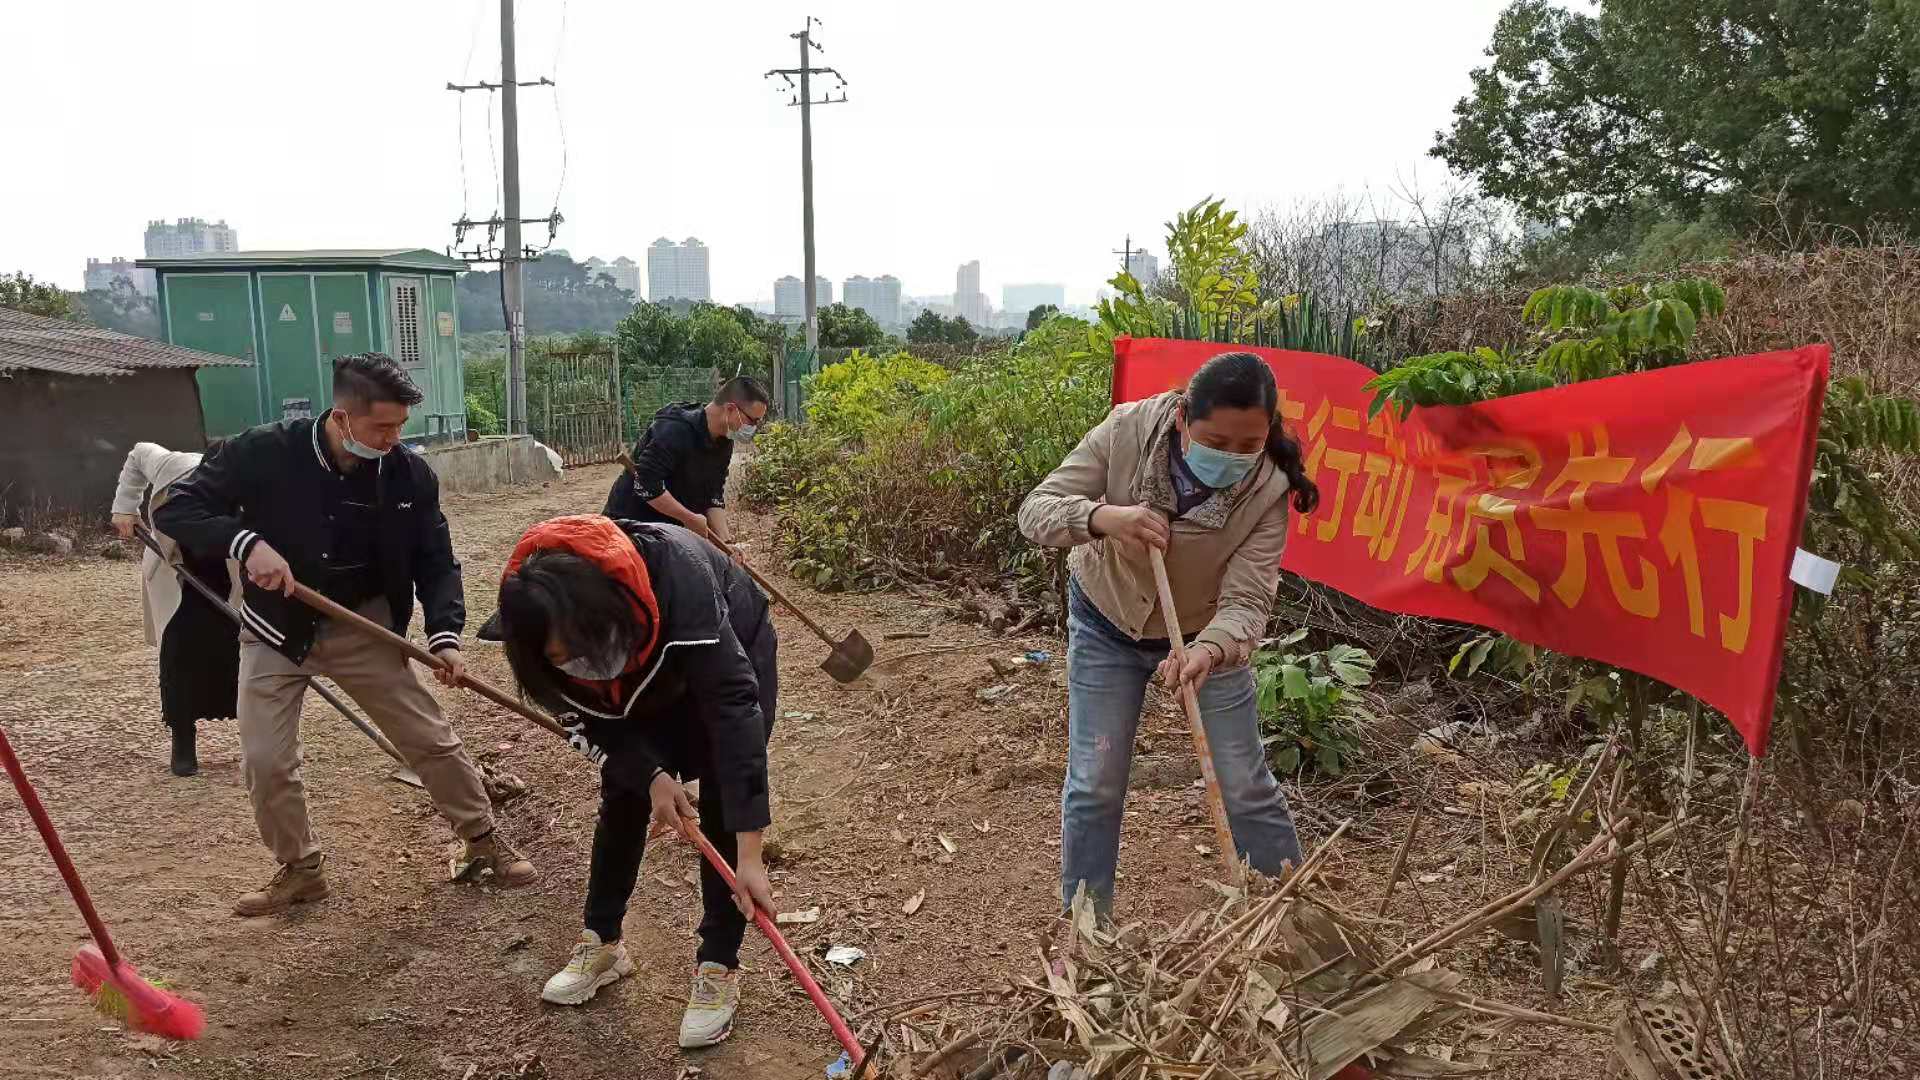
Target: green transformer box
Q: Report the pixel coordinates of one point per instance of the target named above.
(293, 312)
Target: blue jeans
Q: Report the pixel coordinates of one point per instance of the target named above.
(1107, 675)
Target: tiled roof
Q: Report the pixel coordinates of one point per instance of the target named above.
(34, 343)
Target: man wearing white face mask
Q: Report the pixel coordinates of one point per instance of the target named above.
(336, 503)
(680, 464)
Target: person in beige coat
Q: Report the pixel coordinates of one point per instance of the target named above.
(199, 644)
(1205, 476)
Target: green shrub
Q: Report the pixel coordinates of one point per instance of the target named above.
(905, 467)
(1303, 720)
(481, 419)
(849, 399)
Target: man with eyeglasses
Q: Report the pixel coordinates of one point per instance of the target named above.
(679, 473)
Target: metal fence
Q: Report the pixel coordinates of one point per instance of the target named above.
(577, 412)
(649, 389)
(792, 391)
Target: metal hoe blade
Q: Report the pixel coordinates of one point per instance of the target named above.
(850, 658)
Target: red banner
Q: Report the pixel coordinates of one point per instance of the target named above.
(1647, 521)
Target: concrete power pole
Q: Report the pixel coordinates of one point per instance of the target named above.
(511, 252)
(512, 288)
(803, 99)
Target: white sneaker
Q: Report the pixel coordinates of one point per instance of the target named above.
(710, 1007)
(591, 967)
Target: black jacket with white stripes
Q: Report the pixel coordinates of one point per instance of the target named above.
(268, 484)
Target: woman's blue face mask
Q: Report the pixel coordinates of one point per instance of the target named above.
(1217, 468)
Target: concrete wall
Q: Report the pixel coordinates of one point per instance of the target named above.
(63, 438)
(495, 463)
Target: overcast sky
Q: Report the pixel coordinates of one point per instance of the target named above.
(1032, 136)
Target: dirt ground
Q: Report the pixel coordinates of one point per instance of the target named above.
(401, 974)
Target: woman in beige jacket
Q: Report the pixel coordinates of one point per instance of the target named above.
(1206, 476)
(199, 644)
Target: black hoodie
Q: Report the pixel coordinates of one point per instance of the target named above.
(677, 455)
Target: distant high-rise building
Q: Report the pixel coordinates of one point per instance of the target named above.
(790, 296)
(967, 297)
(189, 236)
(624, 272)
(678, 271)
(1145, 268)
(102, 273)
(878, 297)
(1018, 300)
(886, 299)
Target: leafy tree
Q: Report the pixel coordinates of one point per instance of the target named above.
(716, 339)
(124, 308)
(21, 293)
(843, 327)
(561, 297)
(1717, 106)
(652, 334)
(959, 331)
(927, 328)
(1039, 315)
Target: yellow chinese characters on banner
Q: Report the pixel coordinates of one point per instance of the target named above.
(1491, 503)
(1645, 520)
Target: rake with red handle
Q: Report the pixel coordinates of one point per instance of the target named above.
(761, 919)
(115, 985)
(480, 686)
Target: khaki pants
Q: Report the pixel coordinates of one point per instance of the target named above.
(379, 680)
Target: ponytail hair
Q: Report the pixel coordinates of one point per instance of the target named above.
(1241, 380)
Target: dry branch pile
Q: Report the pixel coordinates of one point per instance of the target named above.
(1281, 982)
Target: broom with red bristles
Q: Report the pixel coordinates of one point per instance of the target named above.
(115, 985)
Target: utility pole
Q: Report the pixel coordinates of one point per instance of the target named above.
(1127, 252)
(803, 99)
(512, 288)
(512, 252)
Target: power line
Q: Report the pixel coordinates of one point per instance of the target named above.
(559, 115)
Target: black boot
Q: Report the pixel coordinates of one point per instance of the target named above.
(185, 762)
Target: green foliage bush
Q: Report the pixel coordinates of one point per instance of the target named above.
(851, 399)
(905, 467)
(1305, 720)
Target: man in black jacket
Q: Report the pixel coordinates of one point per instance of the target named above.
(679, 474)
(338, 504)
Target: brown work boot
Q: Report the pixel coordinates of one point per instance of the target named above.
(490, 860)
(296, 883)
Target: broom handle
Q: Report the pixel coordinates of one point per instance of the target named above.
(474, 683)
(1216, 805)
(59, 852)
(855, 1053)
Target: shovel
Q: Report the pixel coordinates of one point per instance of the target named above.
(403, 774)
(850, 657)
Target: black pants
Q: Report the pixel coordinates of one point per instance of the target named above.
(620, 834)
(199, 654)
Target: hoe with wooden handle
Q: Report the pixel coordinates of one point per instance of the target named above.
(850, 657)
(404, 773)
(762, 919)
(1216, 805)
